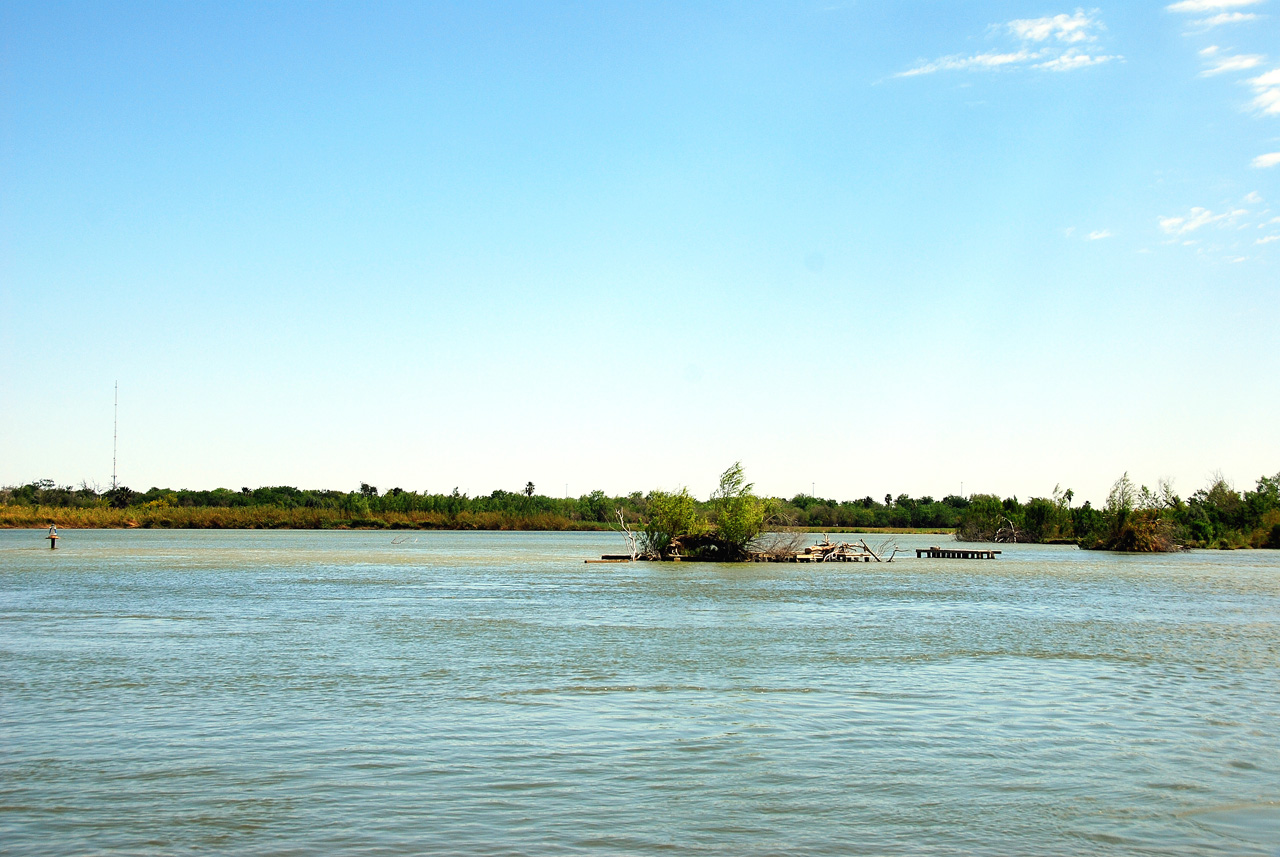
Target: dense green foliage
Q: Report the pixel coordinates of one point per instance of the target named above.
(736, 513)
(670, 516)
(367, 506)
(1134, 518)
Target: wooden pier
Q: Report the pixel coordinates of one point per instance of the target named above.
(936, 552)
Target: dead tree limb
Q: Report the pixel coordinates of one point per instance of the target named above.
(627, 535)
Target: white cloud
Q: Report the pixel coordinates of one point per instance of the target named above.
(1209, 51)
(1226, 18)
(1268, 160)
(1267, 87)
(1070, 29)
(1052, 43)
(1268, 239)
(1236, 62)
(958, 62)
(1099, 234)
(1209, 5)
(1253, 197)
(1073, 59)
(1197, 218)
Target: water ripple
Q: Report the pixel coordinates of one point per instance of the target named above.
(479, 693)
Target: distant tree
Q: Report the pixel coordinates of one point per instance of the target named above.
(120, 497)
(368, 491)
(595, 506)
(1040, 519)
(1132, 520)
(981, 519)
(528, 489)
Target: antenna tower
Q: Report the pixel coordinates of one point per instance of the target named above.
(115, 433)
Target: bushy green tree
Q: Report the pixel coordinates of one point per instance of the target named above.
(982, 519)
(671, 515)
(596, 506)
(737, 513)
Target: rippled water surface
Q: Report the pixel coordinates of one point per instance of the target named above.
(485, 693)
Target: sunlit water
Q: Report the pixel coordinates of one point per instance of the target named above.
(482, 693)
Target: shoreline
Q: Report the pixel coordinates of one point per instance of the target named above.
(146, 523)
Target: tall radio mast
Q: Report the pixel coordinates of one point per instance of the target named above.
(115, 433)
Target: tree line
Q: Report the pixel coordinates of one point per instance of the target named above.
(1133, 518)
(593, 510)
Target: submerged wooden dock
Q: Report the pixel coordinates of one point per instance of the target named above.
(936, 552)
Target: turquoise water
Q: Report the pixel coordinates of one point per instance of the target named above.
(481, 693)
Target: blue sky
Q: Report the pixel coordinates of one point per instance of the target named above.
(867, 247)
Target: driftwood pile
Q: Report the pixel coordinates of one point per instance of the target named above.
(829, 551)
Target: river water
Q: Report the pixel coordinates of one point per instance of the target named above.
(488, 693)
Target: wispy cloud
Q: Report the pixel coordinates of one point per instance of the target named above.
(1074, 59)
(1266, 86)
(1267, 89)
(1198, 218)
(1209, 5)
(1226, 18)
(1218, 6)
(1233, 62)
(1226, 233)
(1062, 28)
(1268, 160)
(959, 62)
(1053, 43)
(1099, 234)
